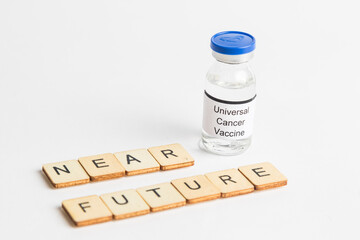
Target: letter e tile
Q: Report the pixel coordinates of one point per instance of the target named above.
(102, 167)
(65, 174)
(263, 176)
(196, 189)
(87, 210)
(171, 156)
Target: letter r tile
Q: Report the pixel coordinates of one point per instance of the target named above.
(87, 210)
(102, 167)
(263, 176)
(125, 204)
(171, 156)
(65, 174)
(196, 189)
(161, 197)
(230, 182)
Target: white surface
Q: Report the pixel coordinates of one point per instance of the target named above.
(86, 77)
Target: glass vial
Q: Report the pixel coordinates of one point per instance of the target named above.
(229, 97)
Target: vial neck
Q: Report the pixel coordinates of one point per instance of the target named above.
(233, 59)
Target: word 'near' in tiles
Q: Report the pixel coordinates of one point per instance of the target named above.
(108, 166)
(130, 203)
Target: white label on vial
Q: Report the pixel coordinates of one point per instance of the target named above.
(228, 119)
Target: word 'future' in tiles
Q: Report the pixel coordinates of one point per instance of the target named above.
(129, 203)
(108, 165)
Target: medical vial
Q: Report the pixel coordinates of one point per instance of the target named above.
(229, 96)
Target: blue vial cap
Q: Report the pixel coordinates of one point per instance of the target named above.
(232, 43)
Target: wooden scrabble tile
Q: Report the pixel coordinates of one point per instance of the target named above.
(102, 167)
(87, 210)
(230, 182)
(65, 174)
(161, 197)
(263, 175)
(196, 189)
(125, 204)
(171, 156)
(137, 161)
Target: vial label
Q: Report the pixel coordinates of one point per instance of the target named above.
(228, 119)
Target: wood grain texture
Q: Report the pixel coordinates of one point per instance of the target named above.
(161, 197)
(125, 204)
(196, 189)
(230, 182)
(137, 161)
(65, 174)
(158, 197)
(102, 167)
(171, 156)
(87, 210)
(263, 176)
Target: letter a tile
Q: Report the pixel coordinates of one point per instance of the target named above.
(65, 174)
(137, 161)
(102, 167)
(196, 189)
(230, 182)
(161, 197)
(87, 210)
(171, 156)
(263, 175)
(125, 204)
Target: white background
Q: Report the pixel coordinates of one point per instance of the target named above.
(79, 78)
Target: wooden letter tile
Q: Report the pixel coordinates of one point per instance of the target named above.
(263, 175)
(230, 182)
(196, 189)
(125, 204)
(102, 167)
(137, 161)
(171, 156)
(87, 210)
(65, 174)
(161, 197)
